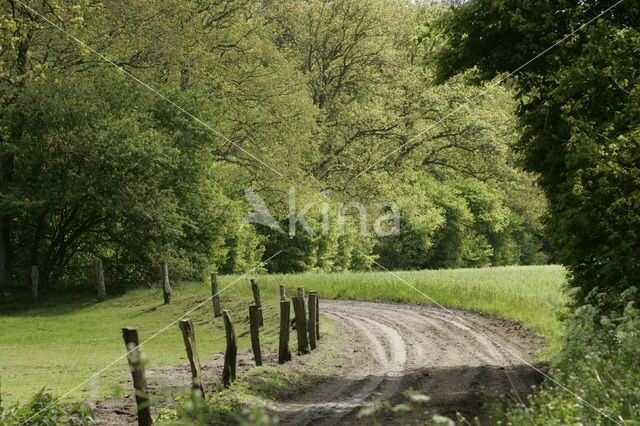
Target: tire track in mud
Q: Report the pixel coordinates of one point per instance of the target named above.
(387, 348)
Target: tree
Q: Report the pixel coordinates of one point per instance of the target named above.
(28, 51)
(578, 111)
(103, 169)
(127, 175)
(95, 164)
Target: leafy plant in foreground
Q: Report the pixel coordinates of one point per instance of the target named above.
(44, 409)
(599, 364)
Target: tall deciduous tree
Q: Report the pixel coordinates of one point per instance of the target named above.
(578, 114)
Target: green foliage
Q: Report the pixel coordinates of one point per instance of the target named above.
(103, 169)
(460, 224)
(92, 164)
(44, 409)
(578, 114)
(337, 243)
(599, 363)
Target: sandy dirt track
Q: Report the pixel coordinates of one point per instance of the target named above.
(460, 359)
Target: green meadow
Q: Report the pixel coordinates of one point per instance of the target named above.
(65, 339)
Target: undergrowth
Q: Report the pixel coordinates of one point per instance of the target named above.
(596, 375)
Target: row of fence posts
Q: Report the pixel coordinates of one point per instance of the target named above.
(307, 330)
(100, 286)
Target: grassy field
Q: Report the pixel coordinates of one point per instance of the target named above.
(53, 350)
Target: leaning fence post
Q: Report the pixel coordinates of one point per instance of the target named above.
(256, 299)
(188, 334)
(284, 354)
(283, 295)
(254, 324)
(229, 369)
(301, 291)
(215, 296)
(166, 287)
(313, 304)
(131, 339)
(34, 283)
(301, 325)
(102, 294)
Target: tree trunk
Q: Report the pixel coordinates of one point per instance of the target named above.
(5, 254)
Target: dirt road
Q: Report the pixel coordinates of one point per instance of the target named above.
(460, 359)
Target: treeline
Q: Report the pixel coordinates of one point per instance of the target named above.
(272, 95)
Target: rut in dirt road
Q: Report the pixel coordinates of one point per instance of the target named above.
(459, 359)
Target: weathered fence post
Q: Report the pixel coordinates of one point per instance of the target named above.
(254, 324)
(131, 339)
(256, 299)
(301, 291)
(301, 324)
(313, 305)
(34, 282)
(283, 295)
(102, 293)
(216, 296)
(188, 334)
(166, 287)
(229, 369)
(284, 354)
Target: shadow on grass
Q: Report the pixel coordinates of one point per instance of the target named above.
(53, 302)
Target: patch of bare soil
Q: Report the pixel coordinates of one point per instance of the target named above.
(460, 359)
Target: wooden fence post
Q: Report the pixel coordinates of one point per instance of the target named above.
(188, 334)
(301, 291)
(34, 283)
(166, 287)
(283, 295)
(301, 324)
(254, 322)
(284, 354)
(313, 304)
(131, 339)
(102, 293)
(256, 299)
(229, 369)
(216, 296)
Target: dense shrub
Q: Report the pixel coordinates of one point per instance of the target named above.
(596, 375)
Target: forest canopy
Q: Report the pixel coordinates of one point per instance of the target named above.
(147, 157)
